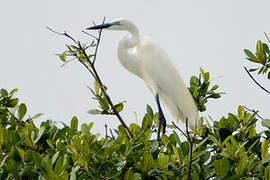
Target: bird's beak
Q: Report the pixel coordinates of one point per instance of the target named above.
(101, 26)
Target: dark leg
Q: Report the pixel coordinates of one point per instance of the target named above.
(161, 119)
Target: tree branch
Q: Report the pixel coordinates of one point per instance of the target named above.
(93, 71)
(17, 120)
(102, 87)
(252, 110)
(256, 81)
(179, 129)
(190, 139)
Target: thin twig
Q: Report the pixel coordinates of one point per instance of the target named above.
(190, 139)
(106, 130)
(90, 35)
(17, 120)
(4, 123)
(179, 129)
(93, 22)
(256, 81)
(63, 34)
(112, 134)
(252, 110)
(98, 41)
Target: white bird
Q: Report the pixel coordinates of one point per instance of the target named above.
(142, 57)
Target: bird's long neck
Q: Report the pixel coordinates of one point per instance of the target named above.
(126, 51)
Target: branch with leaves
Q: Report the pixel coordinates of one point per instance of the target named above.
(78, 51)
(201, 91)
(261, 57)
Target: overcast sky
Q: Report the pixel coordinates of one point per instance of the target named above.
(209, 34)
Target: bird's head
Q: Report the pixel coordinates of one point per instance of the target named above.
(116, 25)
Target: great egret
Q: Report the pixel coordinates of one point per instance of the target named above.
(144, 58)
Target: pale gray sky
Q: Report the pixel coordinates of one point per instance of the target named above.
(210, 34)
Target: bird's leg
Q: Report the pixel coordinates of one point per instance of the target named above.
(161, 119)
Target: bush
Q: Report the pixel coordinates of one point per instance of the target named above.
(230, 149)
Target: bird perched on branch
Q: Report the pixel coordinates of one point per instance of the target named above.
(142, 57)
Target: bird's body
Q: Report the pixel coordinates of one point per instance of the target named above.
(151, 63)
(144, 58)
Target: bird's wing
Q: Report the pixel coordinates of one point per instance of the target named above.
(162, 77)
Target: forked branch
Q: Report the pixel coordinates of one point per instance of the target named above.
(92, 70)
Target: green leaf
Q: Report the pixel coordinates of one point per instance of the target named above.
(96, 87)
(194, 81)
(259, 48)
(85, 129)
(241, 112)
(121, 164)
(222, 167)
(49, 142)
(264, 149)
(148, 162)
(90, 125)
(252, 70)
(3, 92)
(119, 107)
(12, 102)
(214, 88)
(22, 111)
(13, 92)
(149, 111)
(55, 157)
(267, 171)
(242, 165)
(74, 124)
(268, 76)
(103, 103)
(250, 55)
(214, 96)
(266, 36)
(94, 111)
(37, 115)
(40, 133)
(163, 160)
(206, 76)
(147, 122)
(22, 154)
(63, 56)
(201, 71)
(129, 175)
(266, 123)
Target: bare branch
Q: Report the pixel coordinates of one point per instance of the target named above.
(90, 35)
(252, 110)
(190, 140)
(106, 130)
(98, 41)
(112, 134)
(256, 81)
(179, 129)
(62, 34)
(91, 68)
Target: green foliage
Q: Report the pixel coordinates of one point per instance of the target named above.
(230, 149)
(104, 107)
(261, 57)
(201, 91)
